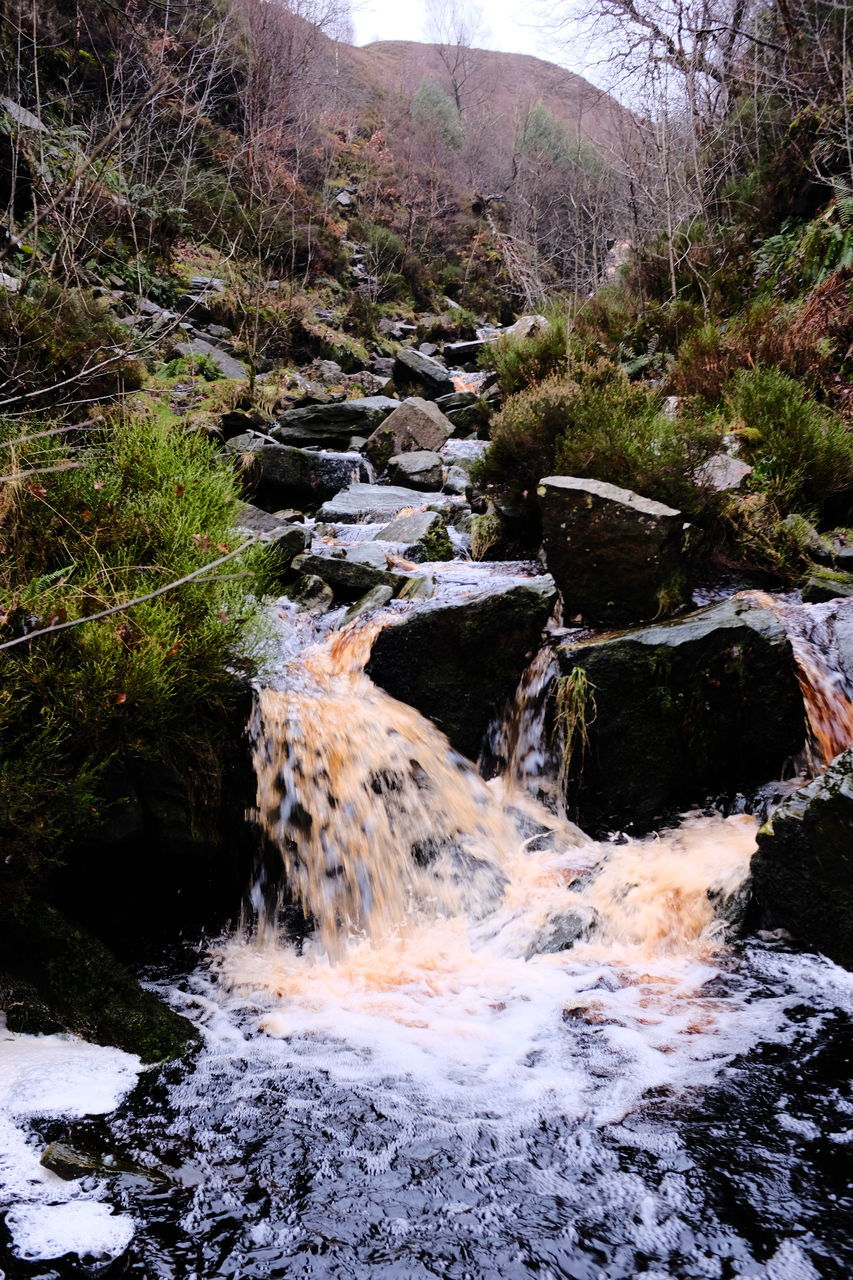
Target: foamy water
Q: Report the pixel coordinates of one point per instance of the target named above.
(56, 1076)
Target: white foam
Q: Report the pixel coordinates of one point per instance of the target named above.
(58, 1075)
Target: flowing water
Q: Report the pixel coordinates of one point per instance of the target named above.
(492, 1048)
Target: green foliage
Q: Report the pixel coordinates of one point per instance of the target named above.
(193, 366)
(574, 711)
(436, 114)
(802, 452)
(609, 430)
(545, 140)
(144, 506)
(61, 345)
(522, 362)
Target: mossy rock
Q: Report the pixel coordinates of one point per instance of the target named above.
(803, 870)
(57, 977)
(704, 705)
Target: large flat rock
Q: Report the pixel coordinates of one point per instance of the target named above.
(375, 502)
(281, 475)
(322, 424)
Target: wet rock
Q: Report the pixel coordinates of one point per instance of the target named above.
(375, 502)
(419, 470)
(459, 355)
(803, 870)
(55, 976)
(281, 474)
(322, 424)
(418, 374)
(414, 425)
(71, 1162)
(376, 598)
(809, 540)
(563, 931)
(310, 593)
(466, 411)
(456, 480)
(675, 713)
(827, 584)
(367, 553)
(423, 537)
(617, 558)
(458, 662)
(348, 579)
(225, 363)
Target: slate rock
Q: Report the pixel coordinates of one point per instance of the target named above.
(457, 663)
(803, 870)
(282, 475)
(679, 712)
(375, 502)
(415, 373)
(419, 470)
(414, 425)
(617, 557)
(423, 537)
(333, 423)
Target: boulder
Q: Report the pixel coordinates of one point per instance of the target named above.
(348, 579)
(459, 355)
(55, 976)
(803, 870)
(674, 713)
(322, 424)
(823, 585)
(282, 475)
(415, 372)
(376, 598)
(466, 410)
(310, 593)
(419, 470)
(225, 363)
(422, 537)
(722, 473)
(456, 480)
(367, 553)
(617, 558)
(415, 424)
(457, 663)
(375, 502)
(527, 327)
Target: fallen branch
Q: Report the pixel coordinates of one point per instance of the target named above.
(39, 471)
(129, 604)
(54, 431)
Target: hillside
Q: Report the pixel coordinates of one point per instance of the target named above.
(505, 86)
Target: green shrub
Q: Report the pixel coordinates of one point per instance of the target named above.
(524, 436)
(802, 452)
(522, 362)
(609, 430)
(144, 507)
(59, 346)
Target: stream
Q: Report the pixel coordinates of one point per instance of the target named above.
(502, 1049)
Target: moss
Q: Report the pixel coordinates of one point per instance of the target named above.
(58, 977)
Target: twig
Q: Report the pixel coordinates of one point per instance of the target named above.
(54, 431)
(39, 471)
(129, 604)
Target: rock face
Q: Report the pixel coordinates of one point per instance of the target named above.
(458, 662)
(415, 424)
(803, 871)
(283, 475)
(382, 502)
(417, 373)
(677, 712)
(329, 424)
(420, 470)
(616, 557)
(225, 363)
